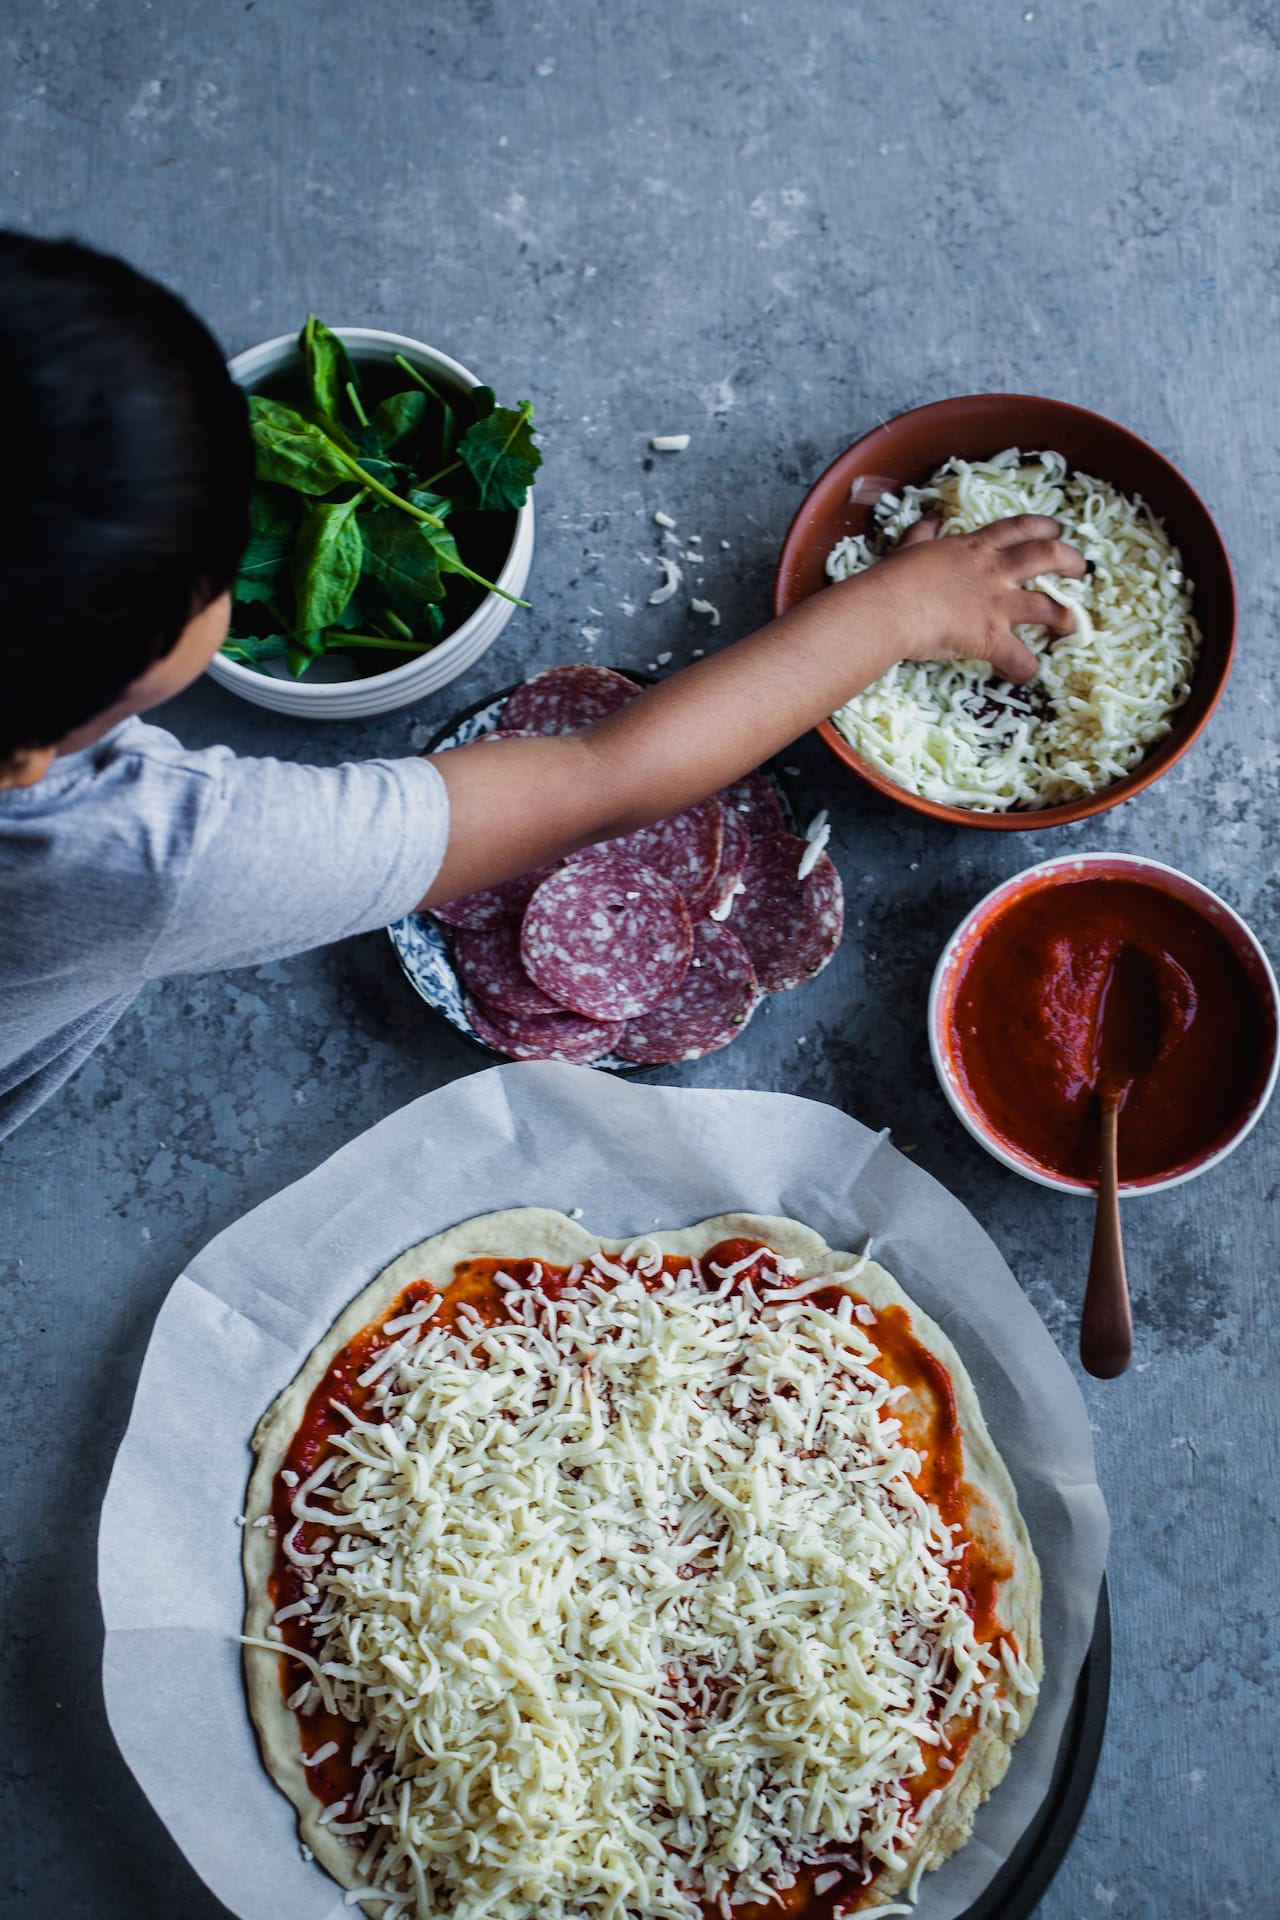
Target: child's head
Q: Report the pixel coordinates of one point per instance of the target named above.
(124, 492)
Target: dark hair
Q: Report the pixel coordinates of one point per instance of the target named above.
(124, 496)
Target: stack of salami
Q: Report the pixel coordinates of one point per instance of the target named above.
(652, 948)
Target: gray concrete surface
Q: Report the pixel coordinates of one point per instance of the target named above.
(768, 227)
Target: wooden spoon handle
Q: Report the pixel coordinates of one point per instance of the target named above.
(1106, 1325)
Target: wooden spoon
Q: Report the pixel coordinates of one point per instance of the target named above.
(1129, 1039)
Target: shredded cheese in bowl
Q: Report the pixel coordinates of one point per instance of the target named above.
(948, 731)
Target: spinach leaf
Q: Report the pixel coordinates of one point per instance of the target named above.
(326, 563)
(385, 472)
(436, 504)
(332, 431)
(443, 544)
(501, 454)
(348, 546)
(302, 652)
(252, 649)
(396, 417)
(445, 547)
(448, 418)
(293, 453)
(399, 554)
(329, 369)
(270, 538)
(405, 640)
(356, 611)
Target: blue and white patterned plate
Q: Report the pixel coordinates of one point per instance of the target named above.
(419, 940)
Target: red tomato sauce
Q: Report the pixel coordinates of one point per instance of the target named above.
(931, 1425)
(1024, 1019)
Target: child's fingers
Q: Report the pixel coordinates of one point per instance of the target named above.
(1038, 609)
(1030, 557)
(1016, 529)
(921, 531)
(1011, 660)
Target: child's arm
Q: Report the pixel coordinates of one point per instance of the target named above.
(523, 803)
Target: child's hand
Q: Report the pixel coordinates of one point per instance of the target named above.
(961, 597)
(524, 803)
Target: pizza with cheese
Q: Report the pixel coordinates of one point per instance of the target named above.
(601, 1581)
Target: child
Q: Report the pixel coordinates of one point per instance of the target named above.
(124, 857)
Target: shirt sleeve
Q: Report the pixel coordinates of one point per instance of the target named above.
(285, 857)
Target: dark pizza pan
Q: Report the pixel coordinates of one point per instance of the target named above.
(1025, 1877)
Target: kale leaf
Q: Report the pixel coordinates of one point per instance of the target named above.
(500, 451)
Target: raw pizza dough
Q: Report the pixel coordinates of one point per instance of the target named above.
(537, 1233)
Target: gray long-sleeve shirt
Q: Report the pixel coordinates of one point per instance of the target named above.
(135, 858)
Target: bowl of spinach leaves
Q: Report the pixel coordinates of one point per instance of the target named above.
(391, 523)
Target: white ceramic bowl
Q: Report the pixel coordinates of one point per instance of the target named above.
(340, 695)
(1182, 886)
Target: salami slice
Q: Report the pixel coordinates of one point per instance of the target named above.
(685, 846)
(492, 906)
(547, 1036)
(719, 898)
(607, 936)
(755, 800)
(790, 927)
(708, 1009)
(488, 963)
(565, 698)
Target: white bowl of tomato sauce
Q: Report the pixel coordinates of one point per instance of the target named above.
(1015, 1008)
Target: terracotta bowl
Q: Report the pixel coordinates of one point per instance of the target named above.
(978, 425)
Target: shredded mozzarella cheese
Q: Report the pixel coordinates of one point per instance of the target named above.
(671, 579)
(635, 1604)
(950, 732)
(817, 834)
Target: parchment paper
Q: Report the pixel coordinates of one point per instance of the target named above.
(237, 1325)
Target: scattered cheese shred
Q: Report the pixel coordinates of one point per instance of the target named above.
(724, 907)
(817, 834)
(1103, 695)
(635, 1603)
(671, 579)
